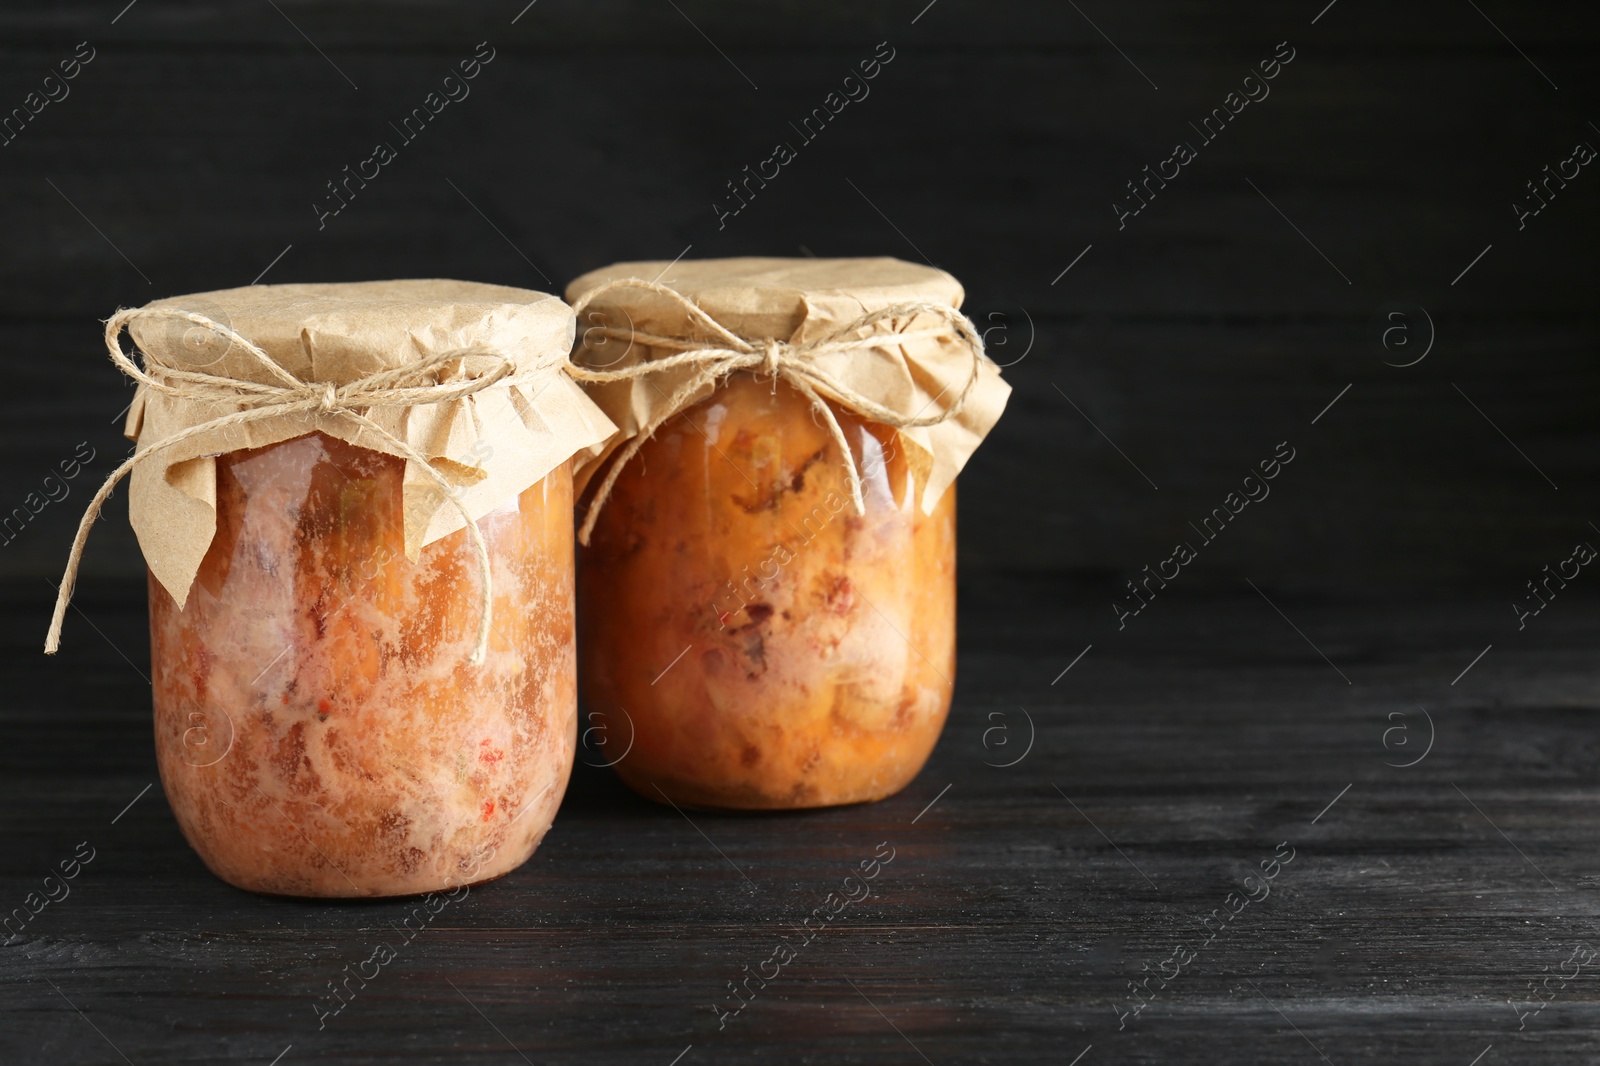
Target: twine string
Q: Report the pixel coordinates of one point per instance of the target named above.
(795, 364)
(405, 386)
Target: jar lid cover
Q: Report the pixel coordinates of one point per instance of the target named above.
(881, 337)
(765, 297)
(466, 382)
(344, 331)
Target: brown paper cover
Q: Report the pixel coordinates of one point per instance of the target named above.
(491, 445)
(797, 301)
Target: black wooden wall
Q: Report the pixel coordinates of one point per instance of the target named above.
(189, 153)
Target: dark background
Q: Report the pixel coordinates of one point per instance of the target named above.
(188, 157)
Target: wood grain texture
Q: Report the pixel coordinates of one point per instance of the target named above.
(994, 143)
(1006, 927)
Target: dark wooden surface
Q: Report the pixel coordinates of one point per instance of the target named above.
(1005, 929)
(1150, 377)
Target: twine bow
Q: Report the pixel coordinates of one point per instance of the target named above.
(795, 364)
(404, 386)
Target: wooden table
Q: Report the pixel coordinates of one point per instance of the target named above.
(1149, 777)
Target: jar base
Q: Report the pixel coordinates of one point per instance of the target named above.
(273, 890)
(377, 897)
(694, 797)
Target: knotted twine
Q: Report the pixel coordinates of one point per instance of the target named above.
(794, 364)
(405, 386)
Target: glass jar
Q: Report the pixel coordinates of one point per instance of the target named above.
(770, 648)
(318, 727)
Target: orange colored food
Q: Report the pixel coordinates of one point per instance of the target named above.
(771, 649)
(318, 728)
